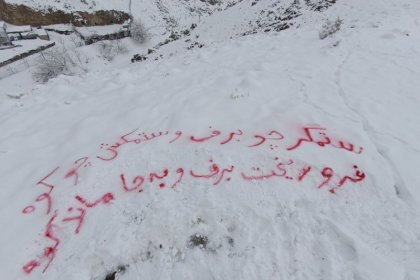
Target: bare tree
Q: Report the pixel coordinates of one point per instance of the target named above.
(138, 31)
(56, 61)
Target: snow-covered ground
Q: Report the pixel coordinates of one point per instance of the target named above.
(268, 156)
(22, 46)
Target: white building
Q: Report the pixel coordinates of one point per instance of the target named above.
(16, 32)
(4, 39)
(25, 32)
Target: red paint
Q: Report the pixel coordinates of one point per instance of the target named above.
(203, 139)
(124, 139)
(51, 251)
(80, 218)
(137, 183)
(350, 147)
(28, 209)
(155, 135)
(152, 136)
(180, 171)
(74, 171)
(303, 173)
(262, 139)
(308, 137)
(154, 175)
(327, 173)
(27, 268)
(105, 199)
(257, 177)
(45, 196)
(312, 134)
(178, 134)
(222, 174)
(42, 181)
(360, 176)
(279, 171)
(110, 157)
(113, 149)
(215, 170)
(49, 231)
(322, 141)
(231, 136)
(282, 169)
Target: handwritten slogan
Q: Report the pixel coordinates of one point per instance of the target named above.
(215, 174)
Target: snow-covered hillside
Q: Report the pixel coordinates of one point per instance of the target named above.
(78, 5)
(171, 15)
(274, 155)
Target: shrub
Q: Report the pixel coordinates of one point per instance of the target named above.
(138, 31)
(56, 61)
(330, 28)
(51, 64)
(110, 49)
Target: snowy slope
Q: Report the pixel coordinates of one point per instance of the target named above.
(268, 156)
(171, 8)
(173, 15)
(78, 5)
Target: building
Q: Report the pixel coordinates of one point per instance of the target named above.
(26, 32)
(4, 39)
(42, 34)
(19, 32)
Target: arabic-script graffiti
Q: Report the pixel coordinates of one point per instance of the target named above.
(210, 172)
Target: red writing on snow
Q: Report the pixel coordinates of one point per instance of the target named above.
(215, 174)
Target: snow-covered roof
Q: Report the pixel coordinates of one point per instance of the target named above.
(18, 29)
(100, 30)
(30, 33)
(40, 32)
(23, 47)
(59, 27)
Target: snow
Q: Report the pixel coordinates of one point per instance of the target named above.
(270, 210)
(41, 32)
(100, 30)
(71, 6)
(10, 28)
(60, 27)
(22, 46)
